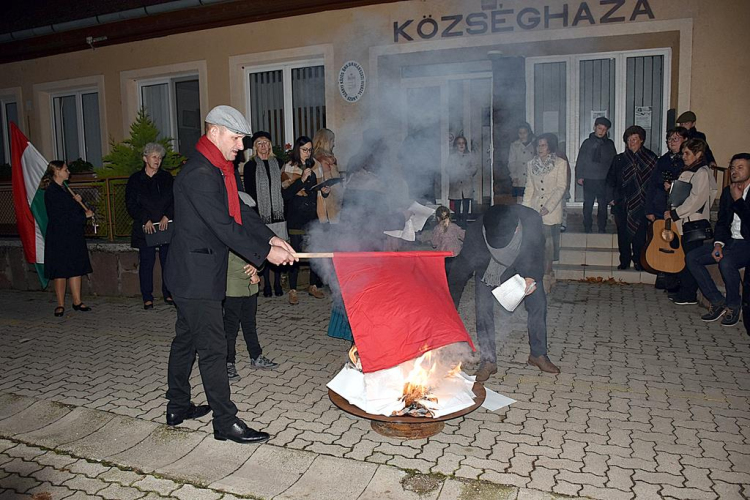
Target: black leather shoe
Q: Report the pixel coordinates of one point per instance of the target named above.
(239, 432)
(278, 292)
(191, 413)
(81, 307)
(267, 292)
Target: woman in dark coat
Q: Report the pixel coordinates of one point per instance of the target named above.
(262, 176)
(66, 257)
(149, 200)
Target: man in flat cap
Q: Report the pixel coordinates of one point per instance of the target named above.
(594, 159)
(687, 120)
(210, 219)
(504, 241)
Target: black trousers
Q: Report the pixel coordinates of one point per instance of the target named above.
(594, 190)
(241, 310)
(688, 289)
(536, 306)
(297, 242)
(266, 274)
(199, 329)
(630, 246)
(146, 261)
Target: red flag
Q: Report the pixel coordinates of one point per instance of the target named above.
(398, 305)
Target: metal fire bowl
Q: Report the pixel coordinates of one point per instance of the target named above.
(407, 427)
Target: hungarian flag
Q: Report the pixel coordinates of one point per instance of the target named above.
(28, 200)
(398, 304)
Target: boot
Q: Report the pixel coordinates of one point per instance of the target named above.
(485, 371)
(543, 363)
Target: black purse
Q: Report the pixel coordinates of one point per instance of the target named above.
(699, 230)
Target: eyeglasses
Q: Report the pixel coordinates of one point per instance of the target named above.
(263, 143)
(674, 138)
(306, 150)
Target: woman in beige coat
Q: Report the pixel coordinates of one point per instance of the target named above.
(546, 182)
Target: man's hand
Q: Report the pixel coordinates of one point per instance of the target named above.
(580, 182)
(278, 242)
(530, 286)
(651, 217)
(281, 256)
(149, 228)
(718, 253)
(163, 223)
(736, 190)
(89, 214)
(78, 198)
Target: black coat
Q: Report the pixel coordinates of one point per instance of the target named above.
(727, 208)
(204, 232)
(301, 210)
(656, 196)
(65, 251)
(249, 180)
(475, 257)
(595, 157)
(148, 199)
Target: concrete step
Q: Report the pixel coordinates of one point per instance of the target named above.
(591, 240)
(581, 272)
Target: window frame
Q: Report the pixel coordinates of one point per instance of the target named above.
(286, 69)
(170, 81)
(78, 93)
(6, 99)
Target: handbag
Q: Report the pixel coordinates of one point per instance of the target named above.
(699, 230)
(159, 238)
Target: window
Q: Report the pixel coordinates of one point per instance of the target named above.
(568, 93)
(173, 104)
(76, 126)
(8, 113)
(287, 100)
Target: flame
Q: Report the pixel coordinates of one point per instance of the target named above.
(454, 371)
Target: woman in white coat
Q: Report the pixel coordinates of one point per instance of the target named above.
(546, 182)
(461, 168)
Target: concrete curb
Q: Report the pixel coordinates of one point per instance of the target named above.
(252, 471)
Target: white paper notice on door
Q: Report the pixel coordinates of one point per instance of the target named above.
(597, 114)
(550, 122)
(643, 116)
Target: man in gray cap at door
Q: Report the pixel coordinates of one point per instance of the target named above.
(210, 219)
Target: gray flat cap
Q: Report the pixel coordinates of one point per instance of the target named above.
(230, 118)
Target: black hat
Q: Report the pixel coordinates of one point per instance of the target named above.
(260, 133)
(687, 116)
(500, 223)
(602, 120)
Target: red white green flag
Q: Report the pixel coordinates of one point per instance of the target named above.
(31, 215)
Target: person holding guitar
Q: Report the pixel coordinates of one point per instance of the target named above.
(731, 248)
(692, 212)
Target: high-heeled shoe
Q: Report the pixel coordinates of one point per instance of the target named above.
(149, 304)
(59, 311)
(266, 292)
(81, 307)
(278, 291)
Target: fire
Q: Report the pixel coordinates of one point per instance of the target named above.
(455, 370)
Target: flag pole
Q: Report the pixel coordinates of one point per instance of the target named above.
(315, 255)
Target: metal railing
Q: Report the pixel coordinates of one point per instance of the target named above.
(106, 197)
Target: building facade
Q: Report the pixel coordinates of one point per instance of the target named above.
(426, 70)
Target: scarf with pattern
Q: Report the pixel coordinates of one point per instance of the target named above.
(268, 191)
(543, 167)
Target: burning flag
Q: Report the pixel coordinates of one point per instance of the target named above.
(398, 305)
(28, 200)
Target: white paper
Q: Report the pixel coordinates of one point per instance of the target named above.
(597, 114)
(495, 401)
(550, 122)
(416, 222)
(511, 293)
(643, 116)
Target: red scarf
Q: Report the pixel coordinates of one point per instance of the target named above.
(212, 154)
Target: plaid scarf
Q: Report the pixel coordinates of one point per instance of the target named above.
(635, 176)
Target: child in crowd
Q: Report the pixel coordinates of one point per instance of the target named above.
(447, 236)
(240, 306)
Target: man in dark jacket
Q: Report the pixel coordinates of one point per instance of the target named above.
(592, 166)
(504, 241)
(731, 248)
(209, 220)
(687, 120)
(149, 201)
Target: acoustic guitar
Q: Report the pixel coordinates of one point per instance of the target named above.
(664, 252)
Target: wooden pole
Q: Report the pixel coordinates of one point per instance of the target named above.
(315, 255)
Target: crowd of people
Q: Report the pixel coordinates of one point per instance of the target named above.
(237, 211)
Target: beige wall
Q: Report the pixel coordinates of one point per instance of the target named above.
(715, 47)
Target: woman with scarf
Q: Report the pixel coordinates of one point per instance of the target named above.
(546, 181)
(627, 183)
(693, 213)
(298, 180)
(330, 206)
(262, 178)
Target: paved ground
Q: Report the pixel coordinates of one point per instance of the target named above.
(651, 403)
